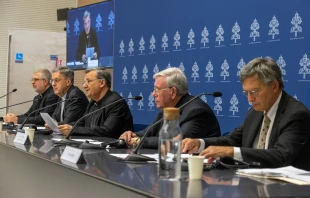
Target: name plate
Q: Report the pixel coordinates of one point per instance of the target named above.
(20, 146)
(21, 138)
(92, 63)
(73, 155)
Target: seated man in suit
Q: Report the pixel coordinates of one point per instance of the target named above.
(108, 122)
(41, 84)
(71, 109)
(197, 120)
(276, 130)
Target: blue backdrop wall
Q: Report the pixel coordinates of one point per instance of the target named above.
(211, 41)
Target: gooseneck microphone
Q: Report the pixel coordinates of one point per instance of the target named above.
(67, 140)
(22, 125)
(1, 118)
(8, 93)
(20, 103)
(134, 156)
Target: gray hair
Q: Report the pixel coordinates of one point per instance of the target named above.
(266, 69)
(175, 78)
(101, 74)
(86, 14)
(66, 72)
(45, 74)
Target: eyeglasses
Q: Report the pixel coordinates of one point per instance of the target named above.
(253, 92)
(36, 79)
(158, 91)
(86, 82)
(56, 80)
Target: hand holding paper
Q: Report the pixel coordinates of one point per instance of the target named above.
(50, 122)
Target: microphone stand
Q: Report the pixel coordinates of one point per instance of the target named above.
(8, 93)
(20, 129)
(19, 103)
(134, 156)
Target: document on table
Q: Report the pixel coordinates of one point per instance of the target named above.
(154, 156)
(288, 174)
(51, 123)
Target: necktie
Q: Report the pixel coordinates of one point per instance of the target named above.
(62, 110)
(263, 133)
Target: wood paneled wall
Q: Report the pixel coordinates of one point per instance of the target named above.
(87, 2)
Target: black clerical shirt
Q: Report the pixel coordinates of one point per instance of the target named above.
(111, 121)
(45, 99)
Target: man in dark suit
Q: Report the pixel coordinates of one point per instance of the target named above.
(71, 109)
(196, 120)
(276, 130)
(41, 84)
(108, 122)
(87, 39)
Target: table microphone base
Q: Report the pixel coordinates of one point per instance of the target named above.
(66, 141)
(86, 145)
(133, 157)
(14, 131)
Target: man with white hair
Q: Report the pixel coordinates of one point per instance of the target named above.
(171, 90)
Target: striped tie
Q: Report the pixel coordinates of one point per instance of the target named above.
(263, 134)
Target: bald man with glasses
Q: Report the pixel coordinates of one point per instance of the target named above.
(171, 90)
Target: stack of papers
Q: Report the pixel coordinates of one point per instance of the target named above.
(288, 174)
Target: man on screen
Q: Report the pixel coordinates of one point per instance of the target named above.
(88, 44)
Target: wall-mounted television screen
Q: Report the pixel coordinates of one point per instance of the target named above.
(90, 36)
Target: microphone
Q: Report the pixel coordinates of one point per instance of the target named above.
(8, 93)
(135, 156)
(22, 125)
(20, 103)
(67, 140)
(1, 118)
(120, 143)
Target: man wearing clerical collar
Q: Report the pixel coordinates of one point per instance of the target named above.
(41, 84)
(111, 121)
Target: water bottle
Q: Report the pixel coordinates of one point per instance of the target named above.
(169, 146)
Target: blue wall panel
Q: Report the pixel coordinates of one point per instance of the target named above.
(137, 19)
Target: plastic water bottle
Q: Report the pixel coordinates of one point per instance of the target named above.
(169, 146)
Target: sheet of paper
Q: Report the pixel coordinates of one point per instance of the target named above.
(50, 122)
(288, 173)
(78, 140)
(96, 143)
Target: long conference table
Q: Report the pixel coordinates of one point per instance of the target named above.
(37, 170)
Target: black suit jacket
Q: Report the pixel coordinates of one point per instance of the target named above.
(73, 109)
(111, 121)
(197, 120)
(289, 142)
(85, 42)
(47, 98)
